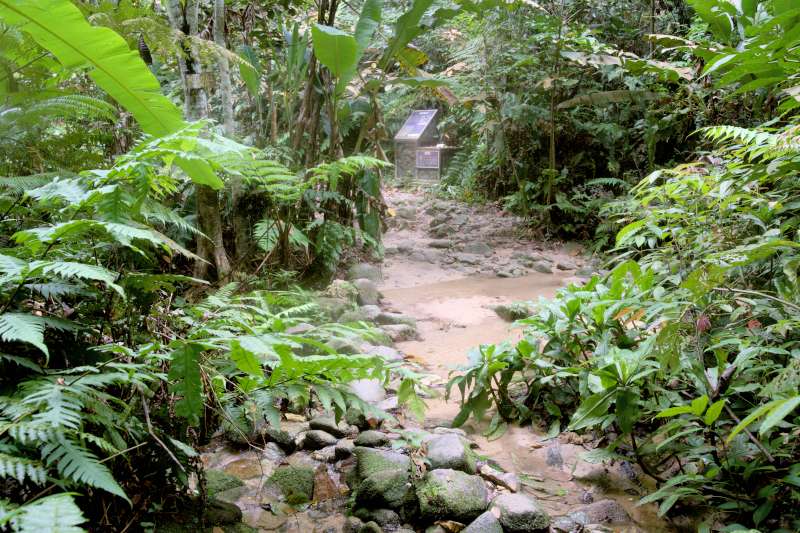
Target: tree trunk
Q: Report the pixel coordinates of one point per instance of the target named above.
(185, 18)
(240, 225)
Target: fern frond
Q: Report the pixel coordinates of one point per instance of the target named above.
(72, 269)
(20, 327)
(20, 468)
(27, 433)
(73, 106)
(21, 184)
(74, 461)
(51, 514)
(59, 405)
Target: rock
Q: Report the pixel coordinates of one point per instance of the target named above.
(451, 451)
(387, 318)
(408, 213)
(341, 289)
(383, 476)
(436, 529)
(370, 311)
(352, 524)
(604, 512)
(301, 328)
(367, 292)
(519, 513)
(452, 494)
(296, 483)
(218, 481)
(503, 479)
(344, 345)
(325, 455)
(440, 243)
(355, 417)
(281, 438)
(316, 439)
(442, 230)
(485, 523)
(344, 449)
(333, 307)
(553, 456)
(386, 518)
(370, 527)
(400, 332)
(364, 271)
(513, 311)
(468, 259)
(371, 439)
(565, 524)
(329, 424)
(585, 272)
(369, 390)
(386, 353)
(218, 512)
(391, 403)
(325, 488)
(477, 247)
(565, 265)
(543, 267)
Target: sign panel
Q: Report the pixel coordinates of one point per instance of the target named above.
(415, 124)
(428, 158)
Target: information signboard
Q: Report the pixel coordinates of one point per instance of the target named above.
(415, 124)
(428, 158)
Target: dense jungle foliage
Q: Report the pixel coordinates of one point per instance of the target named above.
(173, 170)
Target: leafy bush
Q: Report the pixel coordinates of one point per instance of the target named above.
(687, 358)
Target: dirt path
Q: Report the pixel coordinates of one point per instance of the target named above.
(434, 276)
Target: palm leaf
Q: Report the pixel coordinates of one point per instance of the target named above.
(59, 26)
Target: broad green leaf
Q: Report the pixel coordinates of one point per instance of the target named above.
(335, 49)
(591, 409)
(184, 375)
(778, 413)
(713, 412)
(699, 405)
(627, 409)
(22, 327)
(245, 360)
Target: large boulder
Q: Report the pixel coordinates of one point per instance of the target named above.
(519, 513)
(451, 451)
(296, 483)
(364, 271)
(400, 332)
(368, 293)
(485, 523)
(371, 439)
(382, 478)
(317, 439)
(451, 494)
(334, 307)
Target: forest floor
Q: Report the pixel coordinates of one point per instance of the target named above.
(449, 266)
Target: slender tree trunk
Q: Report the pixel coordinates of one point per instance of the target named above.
(185, 18)
(239, 218)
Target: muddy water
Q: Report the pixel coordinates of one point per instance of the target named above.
(454, 314)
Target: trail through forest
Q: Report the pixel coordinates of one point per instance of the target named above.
(452, 271)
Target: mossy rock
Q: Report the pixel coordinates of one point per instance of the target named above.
(371, 461)
(296, 483)
(452, 494)
(514, 311)
(382, 478)
(218, 481)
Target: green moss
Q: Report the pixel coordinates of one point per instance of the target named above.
(218, 481)
(296, 483)
(372, 461)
